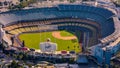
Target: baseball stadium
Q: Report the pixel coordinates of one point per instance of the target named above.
(84, 29)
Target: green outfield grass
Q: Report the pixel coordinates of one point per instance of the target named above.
(32, 40)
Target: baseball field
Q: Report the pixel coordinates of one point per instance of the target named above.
(65, 40)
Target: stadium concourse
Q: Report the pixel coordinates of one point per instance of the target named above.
(99, 28)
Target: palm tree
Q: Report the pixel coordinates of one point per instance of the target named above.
(68, 48)
(74, 47)
(78, 46)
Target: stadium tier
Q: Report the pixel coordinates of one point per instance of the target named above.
(102, 16)
(96, 21)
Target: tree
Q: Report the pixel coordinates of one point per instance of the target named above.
(74, 47)
(1, 4)
(61, 0)
(23, 43)
(14, 64)
(72, 1)
(21, 0)
(68, 48)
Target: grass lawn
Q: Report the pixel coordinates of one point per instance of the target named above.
(32, 40)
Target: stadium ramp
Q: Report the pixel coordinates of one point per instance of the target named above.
(4, 37)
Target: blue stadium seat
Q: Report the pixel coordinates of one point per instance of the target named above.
(97, 14)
